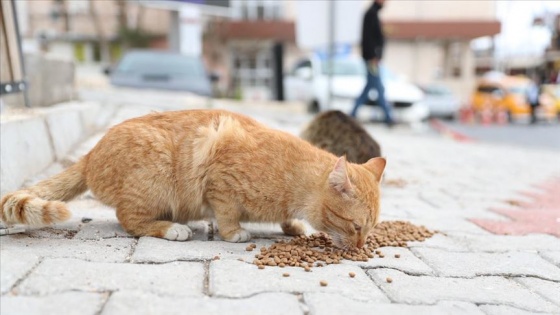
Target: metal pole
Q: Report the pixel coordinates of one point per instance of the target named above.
(173, 37)
(20, 51)
(331, 28)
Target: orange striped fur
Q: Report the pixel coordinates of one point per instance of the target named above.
(164, 169)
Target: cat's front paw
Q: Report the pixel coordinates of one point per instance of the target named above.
(178, 232)
(238, 236)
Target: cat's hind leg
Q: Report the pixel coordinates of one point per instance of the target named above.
(143, 223)
(293, 227)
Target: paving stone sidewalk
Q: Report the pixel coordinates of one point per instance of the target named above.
(89, 265)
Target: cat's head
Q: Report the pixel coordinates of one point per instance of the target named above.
(350, 202)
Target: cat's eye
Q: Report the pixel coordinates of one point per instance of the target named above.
(357, 227)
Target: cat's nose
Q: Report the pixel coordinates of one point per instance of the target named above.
(360, 243)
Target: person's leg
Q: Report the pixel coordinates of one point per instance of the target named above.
(378, 85)
(364, 95)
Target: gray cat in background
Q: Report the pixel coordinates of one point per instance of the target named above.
(340, 134)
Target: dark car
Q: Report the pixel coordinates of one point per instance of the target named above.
(162, 70)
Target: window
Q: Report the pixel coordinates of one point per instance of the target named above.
(78, 6)
(257, 9)
(301, 64)
(252, 68)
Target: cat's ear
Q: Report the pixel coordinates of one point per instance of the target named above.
(338, 178)
(376, 166)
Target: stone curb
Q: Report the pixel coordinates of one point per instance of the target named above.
(32, 140)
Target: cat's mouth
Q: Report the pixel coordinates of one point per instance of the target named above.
(341, 243)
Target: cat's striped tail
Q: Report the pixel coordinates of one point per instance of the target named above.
(42, 204)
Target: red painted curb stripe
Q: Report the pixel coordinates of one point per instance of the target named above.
(443, 129)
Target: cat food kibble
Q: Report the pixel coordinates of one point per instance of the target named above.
(397, 256)
(323, 283)
(285, 274)
(318, 249)
(352, 275)
(249, 248)
(261, 266)
(389, 280)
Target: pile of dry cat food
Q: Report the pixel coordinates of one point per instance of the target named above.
(318, 249)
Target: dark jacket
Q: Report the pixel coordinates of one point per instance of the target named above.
(372, 34)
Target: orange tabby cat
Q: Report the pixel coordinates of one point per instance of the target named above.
(165, 169)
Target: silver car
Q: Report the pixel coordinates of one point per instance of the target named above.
(151, 69)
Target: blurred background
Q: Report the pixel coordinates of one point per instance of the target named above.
(470, 62)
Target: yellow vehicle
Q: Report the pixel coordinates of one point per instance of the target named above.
(550, 96)
(508, 94)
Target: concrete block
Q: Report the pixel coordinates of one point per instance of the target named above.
(551, 256)
(156, 250)
(68, 303)
(146, 304)
(480, 290)
(51, 80)
(470, 265)
(507, 310)
(105, 250)
(439, 241)
(60, 275)
(89, 113)
(15, 266)
(407, 262)
(65, 127)
(236, 279)
(83, 148)
(506, 243)
(25, 150)
(331, 304)
(549, 289)
(449, 225)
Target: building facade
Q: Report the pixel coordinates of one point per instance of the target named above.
(77, 29)
(427, 41)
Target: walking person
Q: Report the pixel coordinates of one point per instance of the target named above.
(533, 99)
(373, 41)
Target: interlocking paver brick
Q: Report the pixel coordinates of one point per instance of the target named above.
(15, 265)
(106, 250)
(158, 250)
(449, 225)
(232, 278)
(439, 240)
(481, 290)
(552, 256)
(468, 264)
(505, 243)
(147, 304)
(407, 262)
(507, 310)
(59, 275)
(331, 304)
(548, 289)
(67, 303)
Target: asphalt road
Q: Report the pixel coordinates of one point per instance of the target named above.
(542, 135)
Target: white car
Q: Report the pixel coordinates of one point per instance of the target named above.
(308, 82)
(441, 101)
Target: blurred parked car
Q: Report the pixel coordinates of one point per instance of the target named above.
(161, 70)
(441, 101)
(550, 96)
(508, 93)
(308, 82)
